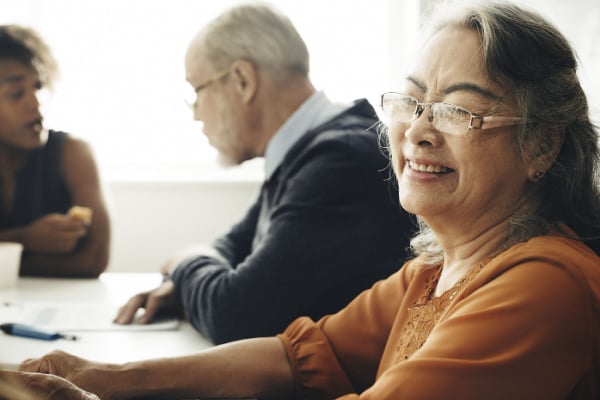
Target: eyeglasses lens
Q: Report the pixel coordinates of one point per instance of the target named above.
(445, 117)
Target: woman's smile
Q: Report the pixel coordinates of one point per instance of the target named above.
(428, 168)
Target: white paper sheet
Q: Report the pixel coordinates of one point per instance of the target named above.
(70, 317)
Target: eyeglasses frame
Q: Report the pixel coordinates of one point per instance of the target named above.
(475, 122)
(215, 78)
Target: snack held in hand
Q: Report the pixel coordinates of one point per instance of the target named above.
(83, 214)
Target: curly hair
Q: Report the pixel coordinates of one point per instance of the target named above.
(26, 46)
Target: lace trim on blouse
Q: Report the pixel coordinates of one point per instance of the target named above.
(426, 312)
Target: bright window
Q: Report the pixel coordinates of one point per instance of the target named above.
(122, 84)
(122, 77)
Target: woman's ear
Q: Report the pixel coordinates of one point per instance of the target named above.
(245, 78)
(547, 155)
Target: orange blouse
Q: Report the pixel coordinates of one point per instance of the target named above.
(526, 325)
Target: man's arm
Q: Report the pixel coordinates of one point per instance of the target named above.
(330, 231)
(231, 248)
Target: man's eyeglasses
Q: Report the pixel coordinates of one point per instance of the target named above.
(215, 78)
(445, 117)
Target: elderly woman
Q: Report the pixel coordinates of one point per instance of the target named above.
(494, 151)
(35, 386)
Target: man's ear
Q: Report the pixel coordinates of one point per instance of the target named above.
(245, 77)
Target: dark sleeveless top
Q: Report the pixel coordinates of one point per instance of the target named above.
(40, 186)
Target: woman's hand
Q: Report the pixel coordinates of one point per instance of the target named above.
(38, 386)
(81, 373)
(54, 234)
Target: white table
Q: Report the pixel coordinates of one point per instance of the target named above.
(113, 346)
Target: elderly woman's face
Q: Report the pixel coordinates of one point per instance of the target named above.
(459, 178)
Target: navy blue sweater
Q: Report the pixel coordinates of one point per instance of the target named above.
(326, 226)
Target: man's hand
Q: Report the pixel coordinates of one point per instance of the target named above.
(54, 233)
(161, 299)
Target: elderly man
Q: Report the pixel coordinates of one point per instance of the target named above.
(325, 225)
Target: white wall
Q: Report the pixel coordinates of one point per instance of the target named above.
(152, 220)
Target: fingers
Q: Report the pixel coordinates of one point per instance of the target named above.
(54, 233)
(66, 241)
(23, 385)
(49, 364)
(70, 228)
(159, 299)
(69, 232)
(34, 365)
(127, 312)
(64, 224)
(51, 387)
(153, 305)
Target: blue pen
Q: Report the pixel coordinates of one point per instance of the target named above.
(33, 332)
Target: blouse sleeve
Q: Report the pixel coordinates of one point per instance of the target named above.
(340, 353)
(317, 372)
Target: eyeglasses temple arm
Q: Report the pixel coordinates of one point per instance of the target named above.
(493, 121)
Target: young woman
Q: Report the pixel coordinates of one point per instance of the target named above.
(44, 173)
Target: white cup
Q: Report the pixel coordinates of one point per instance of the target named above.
(10, 262)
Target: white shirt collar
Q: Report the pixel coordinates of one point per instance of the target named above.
(315, 111)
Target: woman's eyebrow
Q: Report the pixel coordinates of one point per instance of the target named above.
(470, 87)
(462, 86)
(12, 79)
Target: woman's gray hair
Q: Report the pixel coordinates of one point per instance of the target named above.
(258, 33)
(23, 44)
(534, 61)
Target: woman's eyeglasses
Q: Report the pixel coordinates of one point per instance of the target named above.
(445, 117)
